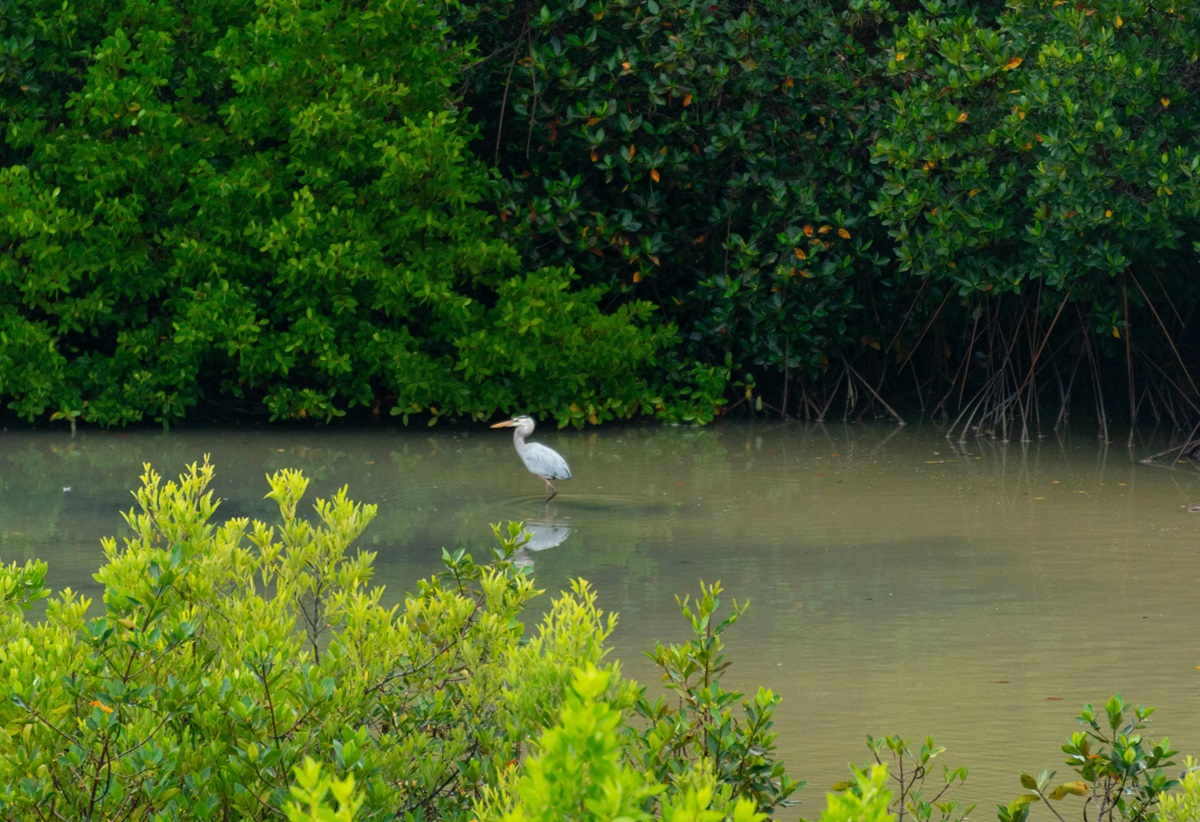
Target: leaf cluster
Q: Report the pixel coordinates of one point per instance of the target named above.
(228, 657)
(1121, 774)
(273, 208)
(245, 669)
(698, 721)
(707, 157)
(813, 192)
(1184, 805)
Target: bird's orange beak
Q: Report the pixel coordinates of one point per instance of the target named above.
(505, 424)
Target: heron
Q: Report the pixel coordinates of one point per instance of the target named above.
(541, 461)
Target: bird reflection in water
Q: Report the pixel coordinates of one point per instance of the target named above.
(543, 534)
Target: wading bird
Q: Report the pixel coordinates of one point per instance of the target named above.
(540, 460)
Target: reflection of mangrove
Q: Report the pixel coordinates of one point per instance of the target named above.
(1176, 456)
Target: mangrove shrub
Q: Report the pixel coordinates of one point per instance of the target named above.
(1001, 199)
(710, 157)
(226, 654)
(1041, 185)
(247, 670)
(271, 207)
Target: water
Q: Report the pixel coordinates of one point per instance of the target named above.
(898, 583)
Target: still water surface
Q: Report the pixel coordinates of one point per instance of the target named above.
(898, 583)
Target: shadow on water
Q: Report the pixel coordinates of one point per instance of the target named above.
(899, 583)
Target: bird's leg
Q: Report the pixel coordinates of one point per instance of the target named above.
(551, 491)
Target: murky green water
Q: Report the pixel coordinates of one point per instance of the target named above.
(898, 584)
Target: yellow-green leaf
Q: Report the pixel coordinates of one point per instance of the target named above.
(1069, 789)
(1024, 799)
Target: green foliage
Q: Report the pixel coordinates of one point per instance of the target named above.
(699, 798)
(262, 206)
(694, 762)
(866, 800)
(316, 797)
(1183, 806)
(909, 772)
(803, 186)
(22, 586)
(585, 364)
(578, 772)
(1121, 774)
(272, 205)
(227, 655)
(710, 157)
(241, 669)
(1046, 161)
(698, 725)
(1057, 146)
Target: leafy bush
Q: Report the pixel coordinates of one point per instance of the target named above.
(709, 157)
(578, 773)
(695, 760)
(1185, 805)
(1055, 147)
(22, 586)
(698, 724)
(1121, 774)
(820, 193)
(262, 207)
(272, 206)
(868, 799)
(315, 797)
(909, 773)
(244, 670)
(1041, 186)
(228, 654)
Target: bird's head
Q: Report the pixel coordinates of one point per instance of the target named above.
(523, 422)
